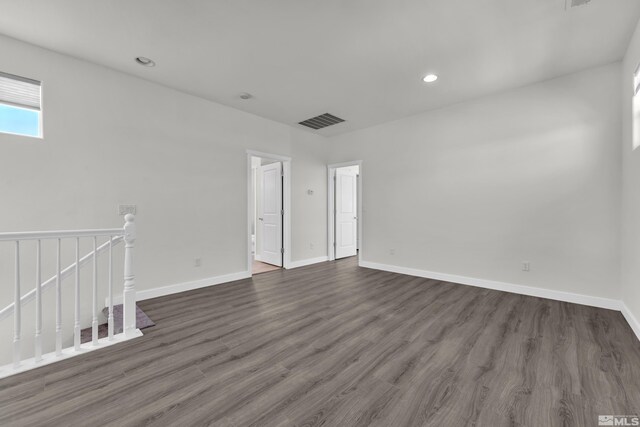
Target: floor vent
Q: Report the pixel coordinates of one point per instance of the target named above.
(321, 121)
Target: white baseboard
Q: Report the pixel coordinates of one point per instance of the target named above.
(144, 294)
(631, 319)
(67, 353)
(607, 303)
(309, 261)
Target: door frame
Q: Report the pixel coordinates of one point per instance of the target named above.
(286, 201)
(331, 217)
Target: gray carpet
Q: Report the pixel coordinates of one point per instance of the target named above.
(142, 321)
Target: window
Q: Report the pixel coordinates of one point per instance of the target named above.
(20, 106)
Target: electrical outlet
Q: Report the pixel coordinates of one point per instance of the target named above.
(197, 262)
(526, 266)
(392, 251)
(127, 209)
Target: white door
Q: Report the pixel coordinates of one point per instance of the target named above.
(346, 223)
(271, 219)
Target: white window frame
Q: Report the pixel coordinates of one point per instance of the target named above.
(12, 105)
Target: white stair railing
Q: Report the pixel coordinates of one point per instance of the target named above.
(114, 236)
(52, 281)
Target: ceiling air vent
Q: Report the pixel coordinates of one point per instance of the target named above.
(321, 121)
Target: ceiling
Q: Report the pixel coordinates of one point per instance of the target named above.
(361, 60)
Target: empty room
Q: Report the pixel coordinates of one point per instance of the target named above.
(336, 213)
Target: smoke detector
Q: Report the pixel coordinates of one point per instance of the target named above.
(575, 3)
(145, 62)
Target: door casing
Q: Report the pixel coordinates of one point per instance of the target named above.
(331, 172)
(271, 216)
(286, 200)
(346, 212)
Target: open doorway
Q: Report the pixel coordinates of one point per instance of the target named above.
(268, 219)
(345, 210)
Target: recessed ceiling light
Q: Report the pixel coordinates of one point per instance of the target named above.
(245, 95)
(145, 61)
(430, 78)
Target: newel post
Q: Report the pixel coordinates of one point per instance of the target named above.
(129, 294)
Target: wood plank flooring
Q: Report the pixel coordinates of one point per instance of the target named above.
(337, 345)
(258, 267)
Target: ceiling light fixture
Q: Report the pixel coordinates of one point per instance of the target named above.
(145, 61)
(245, 95)
(430, 78)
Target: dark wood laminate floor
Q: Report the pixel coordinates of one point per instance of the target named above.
(337, 345)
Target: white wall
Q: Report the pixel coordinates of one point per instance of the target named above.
(110, 138)
(630, 186)
(475, 189)
(309, 173)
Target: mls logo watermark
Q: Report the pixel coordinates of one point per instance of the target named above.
(618, 420)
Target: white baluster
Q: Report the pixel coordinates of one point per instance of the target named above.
(94, 323)
(76, 324)
(17, 311)
(110, 319)
(38, 337)
(129, 294)
(58, 302)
